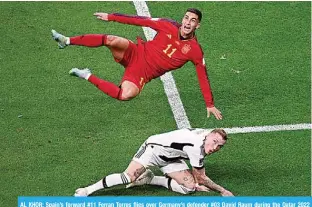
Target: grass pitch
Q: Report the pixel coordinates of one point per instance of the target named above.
(59, 133)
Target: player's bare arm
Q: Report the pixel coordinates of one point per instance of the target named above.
(200, 187)
(205, 87)
(203, 179)
(212, 185)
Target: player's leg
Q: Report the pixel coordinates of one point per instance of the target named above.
(178, 179)
(133, 171)
(129, 90)
(117, 45)
(181, 181)
(136, 167)
(131, 85)
(126, 91)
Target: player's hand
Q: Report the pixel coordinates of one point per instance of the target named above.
(202, 188)
(226, 193)
(215, 112)
(101, 16)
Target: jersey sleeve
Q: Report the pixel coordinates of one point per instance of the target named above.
(203, 79)
(196, 157)
(154, 23)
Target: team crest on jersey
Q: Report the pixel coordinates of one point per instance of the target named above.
(186, 48)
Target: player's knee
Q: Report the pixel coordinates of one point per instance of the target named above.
(128, 94)
(189, 191)
(128, 91)
(174, 186)
(111, 40)
(186, 190)
(117, 43)
(189, 188)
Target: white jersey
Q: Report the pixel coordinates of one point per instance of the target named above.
(185, 144)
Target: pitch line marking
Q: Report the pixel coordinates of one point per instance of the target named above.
(271, 128)
(167, 79)
(175, 100)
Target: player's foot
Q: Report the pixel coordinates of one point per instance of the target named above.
(59, 38)
(143, 179)
(81, 192)
(83, 73)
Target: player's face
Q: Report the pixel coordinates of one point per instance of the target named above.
(190, 23)
(214, 142)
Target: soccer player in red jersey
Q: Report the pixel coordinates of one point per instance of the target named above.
(174, 45)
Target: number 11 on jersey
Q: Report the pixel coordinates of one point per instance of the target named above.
(168, 51)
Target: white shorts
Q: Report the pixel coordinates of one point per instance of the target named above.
(149, 155)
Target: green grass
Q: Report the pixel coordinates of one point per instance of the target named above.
(58, 132)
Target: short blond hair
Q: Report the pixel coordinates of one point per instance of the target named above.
(221, 132)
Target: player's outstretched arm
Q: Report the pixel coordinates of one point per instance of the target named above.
(205, 87)
(212, 185)
(145, 21)
(215, 112)
(101, 16)
(203, 179)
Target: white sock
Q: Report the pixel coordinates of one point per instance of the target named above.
(88, 76)
(171, 184)
(95, 187)
(116, 179)
(160, 180)
(67, 41)
(109, 181)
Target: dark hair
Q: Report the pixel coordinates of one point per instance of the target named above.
(195, 11)
(221, 132)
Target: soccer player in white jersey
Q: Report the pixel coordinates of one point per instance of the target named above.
(168, 152)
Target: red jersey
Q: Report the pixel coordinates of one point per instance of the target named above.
(167, 51)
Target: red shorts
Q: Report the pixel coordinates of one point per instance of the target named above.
(134, 64)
